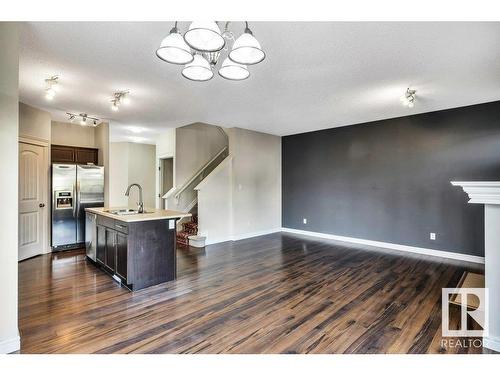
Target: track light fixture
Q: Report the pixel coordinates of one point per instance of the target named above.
(51, 87)
(120, 97)
(85, 120)
(408, 99)
(201, 47)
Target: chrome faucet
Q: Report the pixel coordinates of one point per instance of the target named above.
(140, 204)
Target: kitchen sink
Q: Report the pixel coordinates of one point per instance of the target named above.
(126, 211)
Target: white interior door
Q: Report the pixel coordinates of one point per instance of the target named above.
(32, 200)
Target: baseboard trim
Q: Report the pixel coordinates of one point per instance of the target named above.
(392, 246)
(492, 343)
(255, 234)
(10, 345)
(241, 236)
(216, 241)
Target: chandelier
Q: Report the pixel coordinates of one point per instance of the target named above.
(201, 47)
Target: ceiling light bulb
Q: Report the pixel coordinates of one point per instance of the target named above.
(114, 107)
(84, 121)
(411, 105)
(174, 49)
(126, 99)
(247, 50)
(198, 70)
(233, 71)
(204, 36)
(50, 93)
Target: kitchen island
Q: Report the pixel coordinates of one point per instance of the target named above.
(138, 249)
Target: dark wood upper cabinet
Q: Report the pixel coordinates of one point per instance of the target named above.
(86, 155)
(70, 154)
(62, 154)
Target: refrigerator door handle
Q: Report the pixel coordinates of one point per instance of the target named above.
(76, 206)
(76, 202)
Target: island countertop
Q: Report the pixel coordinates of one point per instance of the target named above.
(150, 214)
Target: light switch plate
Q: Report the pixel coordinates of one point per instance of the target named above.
(171, 224)
(432, 236)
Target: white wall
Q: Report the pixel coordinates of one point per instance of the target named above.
(131, 163)
(69, 134)
(118, 174)
(142, 170)
(215, 204)
(101, 141)
(34, 123)
(256, 182)
(195, 145)
(165, 148)
(35, 126)
(242, 196)
(9, 125)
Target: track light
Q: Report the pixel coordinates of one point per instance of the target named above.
(118, 98)
(51, 87)
(408, 99)
(83, 119)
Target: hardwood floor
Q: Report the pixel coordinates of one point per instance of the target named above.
(279, 293)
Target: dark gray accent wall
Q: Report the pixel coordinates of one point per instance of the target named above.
(389, 180)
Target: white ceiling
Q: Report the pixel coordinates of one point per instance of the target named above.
(316, 74)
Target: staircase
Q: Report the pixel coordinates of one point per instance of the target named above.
(189, 228)
(185, 198)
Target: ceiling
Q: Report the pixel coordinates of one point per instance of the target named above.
(316, 74)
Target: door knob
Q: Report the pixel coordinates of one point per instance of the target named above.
(41, 205)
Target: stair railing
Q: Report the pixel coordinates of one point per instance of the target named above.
(186, 197)
(201, 173)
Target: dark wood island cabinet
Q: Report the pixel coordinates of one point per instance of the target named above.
(140, 249)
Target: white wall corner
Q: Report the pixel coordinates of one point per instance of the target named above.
(10, 345)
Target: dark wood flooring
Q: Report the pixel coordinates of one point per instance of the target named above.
(279, 293)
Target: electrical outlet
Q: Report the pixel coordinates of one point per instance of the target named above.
(304, 220)
(432, 236)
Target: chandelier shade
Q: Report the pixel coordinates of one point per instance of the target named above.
(198, 70)
(204, 36)
(203, 46)
(247, 50)
(233, 71)
(173, 49)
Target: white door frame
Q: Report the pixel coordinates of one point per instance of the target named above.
(161, 203)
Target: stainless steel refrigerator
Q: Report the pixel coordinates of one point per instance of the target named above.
(74, 188)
